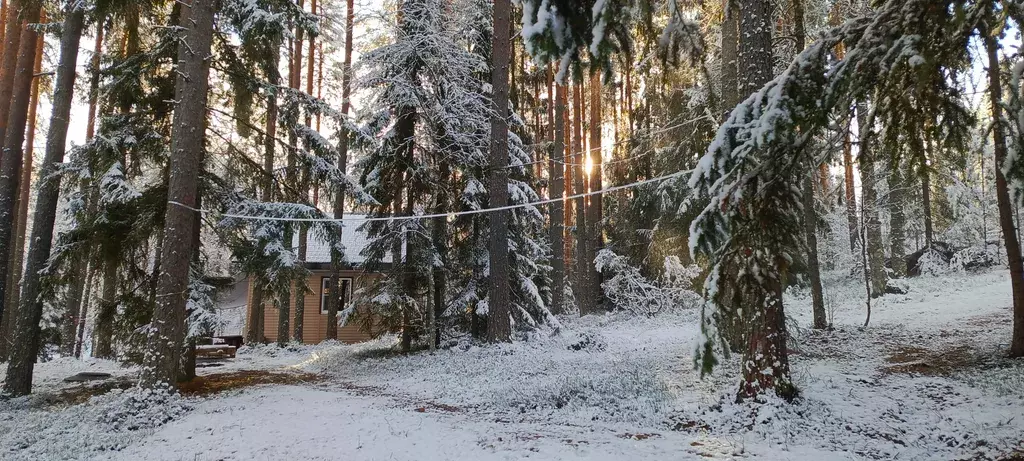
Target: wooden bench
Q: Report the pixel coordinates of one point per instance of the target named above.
(216, 351)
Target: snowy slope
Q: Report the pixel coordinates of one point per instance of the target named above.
(925, 380)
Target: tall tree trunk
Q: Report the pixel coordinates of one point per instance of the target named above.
(926, 198)
(807, 194)
(166, 336)
(339, 198)
(83, 314)
(26, 338)
(94, 83)
(103, 329)
(594, 202)
(14, 137)
(16, 20)
(556, 173)
(569, 173)
(897, 221)
(21, 211)
(78, 302)
(873, 226)
(730, 43)
(256, 317)
(49, 191)
(25, 185)
(579, 187)
(1013, 255)
(499, 325)
(765, 360)
(851, 197)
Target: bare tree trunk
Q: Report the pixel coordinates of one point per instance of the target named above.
(14, 137)
(25, 185)
(595, 204)
(103, 329)
(926, 199)
(579, 187)
(339, 199)
(556, 167)
(897, 221)
(1013, 255)
(810, 213)
(254, 319)
(869, 197)
(94, 83)
(49, 191)
(851, 197)
(730, 42)
(26, 338)
(166, 336)
(21, 212)
(84, 313)
(499, 325)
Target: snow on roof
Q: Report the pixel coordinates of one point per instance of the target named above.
(354, 240)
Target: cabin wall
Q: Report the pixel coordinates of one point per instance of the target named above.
(314, 329)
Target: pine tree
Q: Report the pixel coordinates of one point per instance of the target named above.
(166, 335)
(499, 326)
(13, 131)
(26, 338)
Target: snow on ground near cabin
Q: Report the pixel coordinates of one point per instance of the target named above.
(924, 381)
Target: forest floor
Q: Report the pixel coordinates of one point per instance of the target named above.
(927, 379)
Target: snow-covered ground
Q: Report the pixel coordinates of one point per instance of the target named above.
(925, 380)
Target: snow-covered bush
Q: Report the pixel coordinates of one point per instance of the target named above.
(628, 289)
(141, 408)
(933, 263)
(974, 258)
(632, 393)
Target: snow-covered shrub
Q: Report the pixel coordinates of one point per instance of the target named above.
(974, 258)
(933, 262)
(628, 289)
(677, 282)
(630, 393)
(586, 341)
(141, 408)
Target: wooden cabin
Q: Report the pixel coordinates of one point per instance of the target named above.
(355, 279)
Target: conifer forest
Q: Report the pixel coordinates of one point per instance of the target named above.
(506, 229)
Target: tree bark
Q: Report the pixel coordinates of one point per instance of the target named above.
(926, 199)
(1013, 255)
(166, 335)
(556, 167)
(25, 184)
(730, 43)
(869, 196)
(49, 191)
(14, 137)
(499, 325)
(26, 337)
(103, 328)
(851, 197)
(897, 221)
(810, 213)
(580, 287)
(595, 203)
(765, 359)
(94, 83)
(339, 199)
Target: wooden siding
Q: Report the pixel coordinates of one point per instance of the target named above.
(314, 328)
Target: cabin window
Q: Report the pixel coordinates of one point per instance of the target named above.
(345, 284)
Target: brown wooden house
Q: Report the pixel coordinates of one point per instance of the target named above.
(355, 281)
